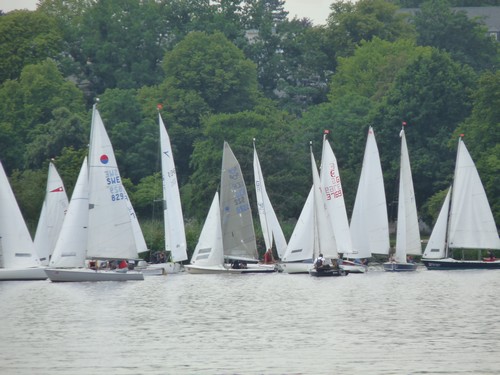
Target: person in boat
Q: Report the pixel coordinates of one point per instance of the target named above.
(321, 262)
(123, 264)
(409, 259)
(268, 257)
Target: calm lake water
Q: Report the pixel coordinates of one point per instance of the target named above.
(426, 322)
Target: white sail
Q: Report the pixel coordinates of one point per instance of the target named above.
(71, 247)
(209, 251)
(175, 236)
(369, 223)
(334, 199)
(16, 246)
(471, 221)
(52, 215)
(301, 244)
(238, 235)
(407, 233)
(271, 229)
(111, 232)
(436, 248)
(325, 240)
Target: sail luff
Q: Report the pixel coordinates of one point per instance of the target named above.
(472, 224)
(238, 234)
(175, 236)
(111, 234)
(408, 233)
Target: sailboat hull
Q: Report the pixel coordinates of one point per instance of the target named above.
(194, 269)
(329, 272)
(83, 274)
(33, 273)
(295, 267)
(353, 267)
(400, 267)
(453, 264)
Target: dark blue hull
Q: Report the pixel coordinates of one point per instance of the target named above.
(327, 272)
(451, 264)
(399, 267)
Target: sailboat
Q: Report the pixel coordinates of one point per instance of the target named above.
(369, 222)
(325, 240)
(236, 228)
(333, 195)
(173, 219)
(407, 233)
(52, 215)
(312, 234)
(111, 234)
(271, 228)
(18, 260)
(464, 222)
(208, 256)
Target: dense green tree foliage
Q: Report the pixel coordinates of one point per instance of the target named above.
(452, 31)
(237, 70)
(26, 38)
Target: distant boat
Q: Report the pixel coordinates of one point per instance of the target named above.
(333, 197)
(52, 215)
(18, 259)
(408, 232)
(271, 228)
(369, 222)
(112, 232)
(173, 219)
(313, 233)
(464, 222)
(234, 225)
(325, 240)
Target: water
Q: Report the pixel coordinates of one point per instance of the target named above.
(426, 322)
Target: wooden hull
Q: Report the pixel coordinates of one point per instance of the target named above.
(32, 273)
(399, 267)
(84, 274)
(453, 264)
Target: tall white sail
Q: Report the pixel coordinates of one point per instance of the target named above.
(471, 221)
(301, 244)
(271, 229)
(325, 240)
(52, 215)
(16, 246)
(111, 233)
(369, 222)
(334, 198)
(407, 233)
(238, 234)
(175, 236)
(71, 247)
(436, 248)
(209, 251)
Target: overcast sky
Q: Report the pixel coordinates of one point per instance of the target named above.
(316, 10)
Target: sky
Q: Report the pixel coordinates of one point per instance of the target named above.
(316, 10)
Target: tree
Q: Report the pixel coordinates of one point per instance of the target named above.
(482, 136)
(432, 95)
(26, 38)
(29, 102)
(452, 31)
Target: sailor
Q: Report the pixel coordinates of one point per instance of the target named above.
(318, 263)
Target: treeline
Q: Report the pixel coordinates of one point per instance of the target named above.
(237, 70)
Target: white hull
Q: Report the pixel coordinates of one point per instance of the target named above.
(194, 269)
(160, 269)
(352, 267)
(33, 273)
(294, 267)
(83, 274)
